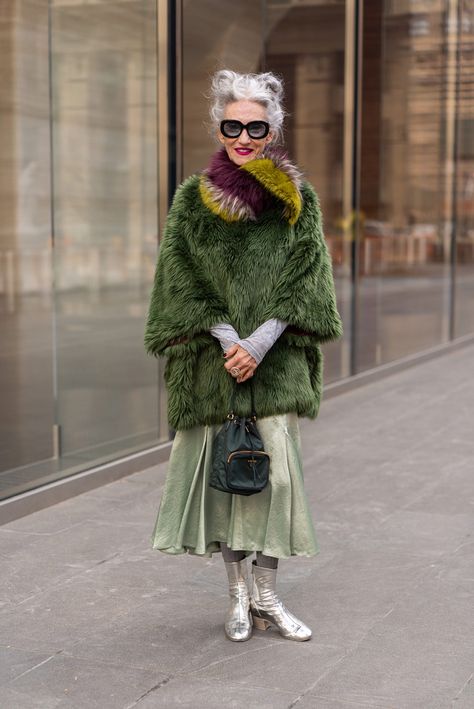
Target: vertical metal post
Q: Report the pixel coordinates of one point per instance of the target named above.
(169, 15)
(57, 439)
(454, 29)
(176, 77)
(352, 138)
(162, 132)
(162, 97)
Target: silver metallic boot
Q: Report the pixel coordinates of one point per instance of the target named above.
(238, 622)
(267, 609)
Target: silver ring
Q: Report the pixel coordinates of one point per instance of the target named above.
(235, 371)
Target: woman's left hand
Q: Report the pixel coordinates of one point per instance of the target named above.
(236, 356)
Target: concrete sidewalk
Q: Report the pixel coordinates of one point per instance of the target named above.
(91, 617)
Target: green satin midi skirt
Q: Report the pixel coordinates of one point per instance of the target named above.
(194, 517)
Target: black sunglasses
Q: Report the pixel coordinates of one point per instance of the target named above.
(255, 129)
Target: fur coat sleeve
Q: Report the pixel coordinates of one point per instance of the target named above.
(305, 295)
(183, 304)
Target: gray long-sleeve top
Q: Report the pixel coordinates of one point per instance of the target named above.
(257, 344)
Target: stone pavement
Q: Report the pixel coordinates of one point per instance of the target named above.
(91, 617)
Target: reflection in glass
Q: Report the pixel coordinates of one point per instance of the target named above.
(405, 211)
(105, 221)
(224, 35)
(26, 308)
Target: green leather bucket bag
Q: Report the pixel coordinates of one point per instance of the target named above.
(239, 463)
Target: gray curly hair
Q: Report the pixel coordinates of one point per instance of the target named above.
(264, 88)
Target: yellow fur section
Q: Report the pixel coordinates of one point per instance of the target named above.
(277, 182)
(208, 200)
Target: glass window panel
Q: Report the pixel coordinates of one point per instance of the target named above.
(79, 237)
(105, 224)
(26, 305)
(404, 285)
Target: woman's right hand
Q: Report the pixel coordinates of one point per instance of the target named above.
(236, 356)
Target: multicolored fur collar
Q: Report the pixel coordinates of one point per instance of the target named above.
(243, 192)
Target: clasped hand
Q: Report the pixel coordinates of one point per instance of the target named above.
(237, 357)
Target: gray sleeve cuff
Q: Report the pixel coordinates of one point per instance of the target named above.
(256, 352)
(263, 338)
(226, 335)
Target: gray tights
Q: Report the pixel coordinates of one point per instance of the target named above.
(269, 562)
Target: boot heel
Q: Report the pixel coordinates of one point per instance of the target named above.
(261, 623)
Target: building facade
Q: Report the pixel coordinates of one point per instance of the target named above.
(104, 111)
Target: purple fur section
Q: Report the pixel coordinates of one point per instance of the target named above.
(235, 182)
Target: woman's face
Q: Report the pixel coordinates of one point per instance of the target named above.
(243, 148)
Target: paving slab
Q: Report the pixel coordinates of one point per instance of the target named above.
(197, 692)
(15, 662)
(64, 681)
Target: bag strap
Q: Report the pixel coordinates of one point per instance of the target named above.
(253, 413)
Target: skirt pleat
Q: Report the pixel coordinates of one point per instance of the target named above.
(195, 518)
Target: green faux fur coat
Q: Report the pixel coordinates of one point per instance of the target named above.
(219, 263)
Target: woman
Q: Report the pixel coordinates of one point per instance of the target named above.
(243, 266)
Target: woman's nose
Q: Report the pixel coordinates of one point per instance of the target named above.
(244, 136)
